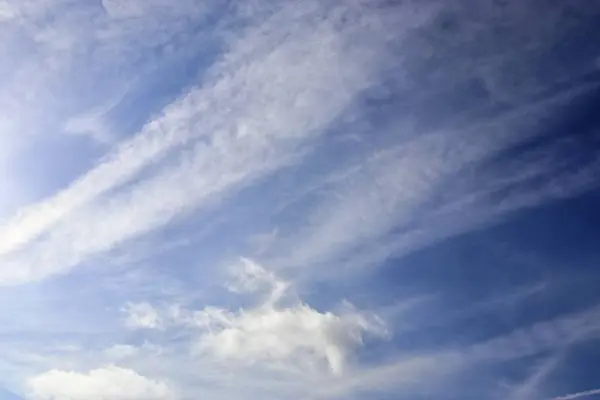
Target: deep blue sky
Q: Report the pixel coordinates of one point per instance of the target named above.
(299, 199)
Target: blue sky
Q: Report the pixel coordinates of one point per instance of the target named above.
(299, 199)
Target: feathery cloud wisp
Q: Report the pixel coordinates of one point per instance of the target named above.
(224, 129)
(579, 395)
(255, 111)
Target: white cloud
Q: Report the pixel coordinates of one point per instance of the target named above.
(579, 395)
(281, 333)
(249, 276)
(287, 73)
(281, 84)
(388, 191)
(107, 383)
(299, 336)
(530, 388)
(142, 315)
(118, 166)
(42, 89)
(7, 11)
(418, 192)
(121, 351)
(396, 377)
(93, 123)
(540, 337)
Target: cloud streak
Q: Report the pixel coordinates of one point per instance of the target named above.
(327, 142)
(579, 395)
(255, 112)
(417, 192)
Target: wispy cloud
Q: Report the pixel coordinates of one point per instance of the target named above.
(432, 186)
(579, 395)
(319, 138)
(254, 112)
(530, 388)
(55, 59)
(556, 334)
(141, 315)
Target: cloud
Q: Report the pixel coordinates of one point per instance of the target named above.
(282, 333)
(279, 85)
(61, 63)
(94, 123)
(542, 336)
(120, 164)
(579, 395)
(142, 315)
(107, 383)
(261, 103)
(249, 276)
(299, 335)
(417, 192)
(6, 11)
(405, 375)
(121, 351)
(388, 191)
(530, 388)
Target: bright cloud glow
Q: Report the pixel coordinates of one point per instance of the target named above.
(295, 334)
(108, 383)
(298, 199)
(279, 97)
(280, 332)
(300, 335)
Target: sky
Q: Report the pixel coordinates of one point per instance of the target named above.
(356, 199)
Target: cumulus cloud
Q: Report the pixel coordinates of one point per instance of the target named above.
(107, 383)
(299, 335)
(280, 332)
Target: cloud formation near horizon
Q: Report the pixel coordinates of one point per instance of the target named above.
(298, 200)
(104, 383)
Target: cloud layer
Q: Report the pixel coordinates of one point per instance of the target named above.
(255, 110)
(300, 200)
